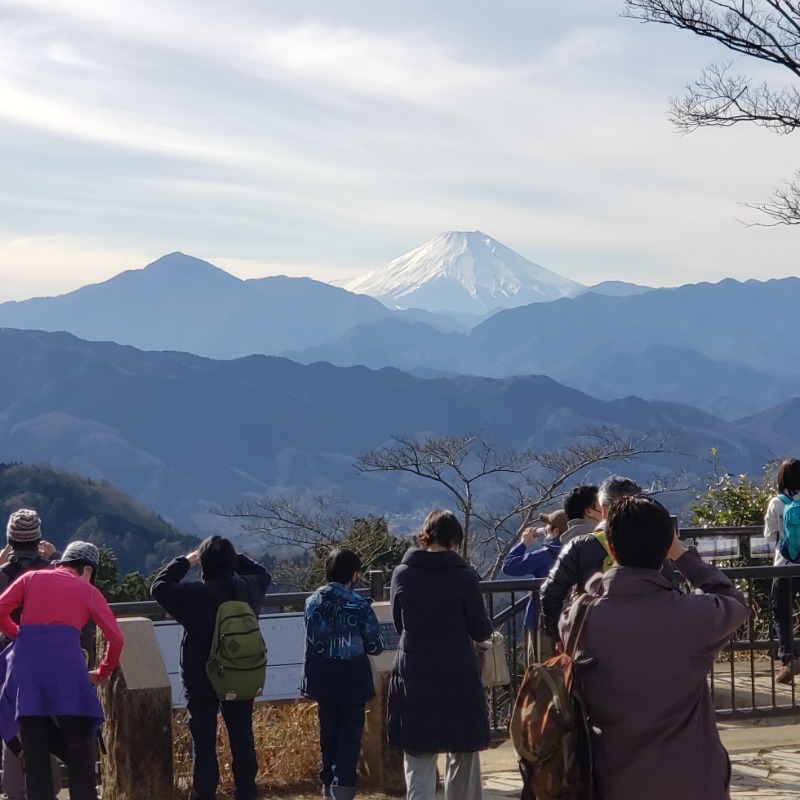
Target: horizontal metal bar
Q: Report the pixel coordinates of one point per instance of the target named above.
(756, 573)
(149, 608)
(509, 612)
(512, 585)
(728, 532)
(759, 712)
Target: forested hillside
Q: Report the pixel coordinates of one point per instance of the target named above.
(74, 507)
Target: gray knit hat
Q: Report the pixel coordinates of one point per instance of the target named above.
(24, 526)
(81, 551)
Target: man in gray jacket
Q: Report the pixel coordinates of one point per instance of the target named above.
(647, 649)
(581, 557)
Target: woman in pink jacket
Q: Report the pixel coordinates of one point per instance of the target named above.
(45, 682)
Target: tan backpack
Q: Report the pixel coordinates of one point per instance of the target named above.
(548, 725)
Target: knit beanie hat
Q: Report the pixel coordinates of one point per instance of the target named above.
(81, 551)
(24, 526)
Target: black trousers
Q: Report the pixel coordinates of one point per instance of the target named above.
(238, 717)
(72, 741)
(782, 597)
(340, 730)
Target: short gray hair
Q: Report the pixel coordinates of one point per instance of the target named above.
(614, 487)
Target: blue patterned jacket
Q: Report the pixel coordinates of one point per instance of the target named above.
(341, 631)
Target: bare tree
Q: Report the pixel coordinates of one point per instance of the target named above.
(287, 520)
(529, 479)
(455, 462)
(768, 30)
(315, 526)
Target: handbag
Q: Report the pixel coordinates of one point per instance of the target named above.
(492, 659)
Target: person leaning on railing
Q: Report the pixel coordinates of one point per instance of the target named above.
(783, 589)
(537, 564)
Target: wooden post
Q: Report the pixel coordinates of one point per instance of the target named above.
(137, 702)
(377, 585)
(381, 764)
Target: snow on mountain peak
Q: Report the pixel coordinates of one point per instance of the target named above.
(465, 272)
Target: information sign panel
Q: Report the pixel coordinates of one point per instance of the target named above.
(284, 635)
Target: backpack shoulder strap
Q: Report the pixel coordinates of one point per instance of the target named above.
(600, 535)
(608, 561)
(786, 499)
(585, 603)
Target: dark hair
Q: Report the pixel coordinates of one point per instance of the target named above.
(341, 565)
(580, 500)
(441, 527)
(78, 566)
(217, 557)
(789, 476)
(639, 531)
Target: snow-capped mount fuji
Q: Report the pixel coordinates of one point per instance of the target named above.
(464, 272)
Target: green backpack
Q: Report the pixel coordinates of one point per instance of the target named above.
(237, 662)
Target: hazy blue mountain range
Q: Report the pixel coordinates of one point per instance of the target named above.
(715, 346)
(615, 288)
(178, 432)
(183, 303)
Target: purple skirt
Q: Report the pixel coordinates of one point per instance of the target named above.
(43, 673)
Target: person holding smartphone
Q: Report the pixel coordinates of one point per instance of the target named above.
(646, 650)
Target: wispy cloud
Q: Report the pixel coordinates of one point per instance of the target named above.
(335, 136)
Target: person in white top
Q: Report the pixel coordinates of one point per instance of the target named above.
(783, 589)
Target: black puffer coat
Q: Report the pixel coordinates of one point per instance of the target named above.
(437, 703)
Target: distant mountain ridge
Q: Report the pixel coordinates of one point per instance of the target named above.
(183, 303)
(460, 271)
(181, 433)
(615, 289)
(713, 346)
(718, 347)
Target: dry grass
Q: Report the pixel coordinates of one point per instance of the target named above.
(287, 745)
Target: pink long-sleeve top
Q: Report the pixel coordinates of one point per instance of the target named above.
(61, 597)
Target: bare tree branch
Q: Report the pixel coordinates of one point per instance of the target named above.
(767, 30)
(282, 520)
(530, 479)
(783, 208)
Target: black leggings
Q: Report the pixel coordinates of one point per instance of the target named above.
(71, 740)
(783, 593)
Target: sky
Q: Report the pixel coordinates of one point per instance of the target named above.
(324, 138)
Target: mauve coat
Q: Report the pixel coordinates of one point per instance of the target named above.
(437, 703)
(647, 693)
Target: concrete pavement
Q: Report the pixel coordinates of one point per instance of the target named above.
(765, 759)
